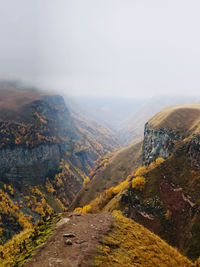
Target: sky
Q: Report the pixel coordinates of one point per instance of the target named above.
(124, 48)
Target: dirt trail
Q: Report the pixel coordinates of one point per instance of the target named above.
(87, 230)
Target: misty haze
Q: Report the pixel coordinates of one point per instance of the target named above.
(99, 133)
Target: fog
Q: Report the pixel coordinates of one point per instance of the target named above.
(124, 48)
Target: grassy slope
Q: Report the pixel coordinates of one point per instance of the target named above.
(13, 101)
(121, 164)
(13, 98)
(184, 118)
(97, 132)
(130, 244)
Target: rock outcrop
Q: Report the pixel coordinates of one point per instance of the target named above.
(35, 152)
(194, 152)
(158, 143)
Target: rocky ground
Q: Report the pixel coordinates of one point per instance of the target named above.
(74, 240)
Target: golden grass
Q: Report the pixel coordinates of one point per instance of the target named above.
(12, 98)
(130, 244)
(182, 118)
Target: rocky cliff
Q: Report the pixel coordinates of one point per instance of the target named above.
(194, 151)
(32, 145)
(44, 157)
(158, 143)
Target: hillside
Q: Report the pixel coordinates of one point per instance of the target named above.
(184, 119)
(46, 155)
(93, 131)
(104, 240)
(163, 194)
(109, 171)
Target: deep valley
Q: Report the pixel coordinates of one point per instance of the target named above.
(62, 171)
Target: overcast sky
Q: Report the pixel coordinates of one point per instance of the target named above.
(102, 47)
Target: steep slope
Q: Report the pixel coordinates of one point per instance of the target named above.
(163, 195)
(95, 140)
(130, 244)
(105, 240)
(169, 127)
(45, 157)
(109, 171)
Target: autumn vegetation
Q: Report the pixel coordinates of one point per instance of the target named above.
(18, 249)
(134, 181)
(130, 244)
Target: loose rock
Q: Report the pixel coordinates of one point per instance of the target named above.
(68, 242)
(69, 235)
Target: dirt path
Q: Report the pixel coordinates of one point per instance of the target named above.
(87, 230)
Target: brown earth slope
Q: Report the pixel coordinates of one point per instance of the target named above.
(105, 240)
(87, 229)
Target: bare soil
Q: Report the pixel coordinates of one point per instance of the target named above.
(87, 230)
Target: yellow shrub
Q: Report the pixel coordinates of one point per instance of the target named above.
(159, 161)
(49, 186)
(197, 262)
(109, 193)
(139, 183)
(141, 170)
(77, 210)
(152, 166)
(86, 181)
(115, 190)
(168, 214)
(120, 187)
(11, 190)
(117, 212)
(86, 209)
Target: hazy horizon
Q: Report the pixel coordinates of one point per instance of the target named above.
(102, 48)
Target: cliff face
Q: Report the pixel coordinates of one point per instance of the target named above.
(32, 147)
(162, 143)
(158, 143)
(44, 157)
(194, 152)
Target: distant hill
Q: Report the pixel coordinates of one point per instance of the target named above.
(110, 112)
